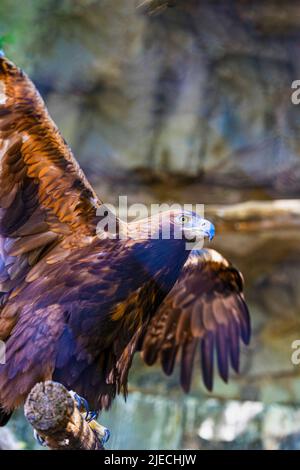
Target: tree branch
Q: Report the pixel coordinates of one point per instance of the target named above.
(53, 413)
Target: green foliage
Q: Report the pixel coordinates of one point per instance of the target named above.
(18, 27)
(5, 39)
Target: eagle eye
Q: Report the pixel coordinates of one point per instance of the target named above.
(183, 219)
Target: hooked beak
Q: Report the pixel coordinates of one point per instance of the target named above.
(210, 231)
(202, 229)
(206, 229)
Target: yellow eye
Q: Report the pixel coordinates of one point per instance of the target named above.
(184, 219)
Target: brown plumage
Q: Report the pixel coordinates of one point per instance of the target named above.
(75, 306)
(205, 311)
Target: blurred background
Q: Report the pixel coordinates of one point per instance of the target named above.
(187, 101)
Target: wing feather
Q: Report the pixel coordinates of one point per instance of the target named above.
(44, 195)
(222, 351)
(188, 352)
(207, 360)
(168, 358)
(206, 307)
(234, 344)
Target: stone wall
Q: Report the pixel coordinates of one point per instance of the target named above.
(203, 89)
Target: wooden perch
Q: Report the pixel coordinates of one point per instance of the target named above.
(53, 413)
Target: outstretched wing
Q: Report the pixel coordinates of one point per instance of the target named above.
(44, 195)
(79, 322)
(205, 311)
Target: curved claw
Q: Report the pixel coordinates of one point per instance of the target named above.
(106, 436)
(83, 406)
(39, 439)
(81, 403)
(102, 432)
(91, 415)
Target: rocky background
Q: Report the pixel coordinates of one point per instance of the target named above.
(188, 101)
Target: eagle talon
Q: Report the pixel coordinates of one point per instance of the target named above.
(83, 406)
(39, 439)
(106, 436)
(81, 403)
(102, 432)
(91, 415)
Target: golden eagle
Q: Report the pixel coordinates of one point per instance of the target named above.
(75, 306)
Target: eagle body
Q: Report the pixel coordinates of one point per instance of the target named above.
(76, 319)
(76, 304)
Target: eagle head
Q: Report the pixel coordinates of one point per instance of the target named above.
(192, 226)
(173, 224)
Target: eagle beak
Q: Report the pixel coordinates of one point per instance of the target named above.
(210, 233)
(207, 229)
(201, 229)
